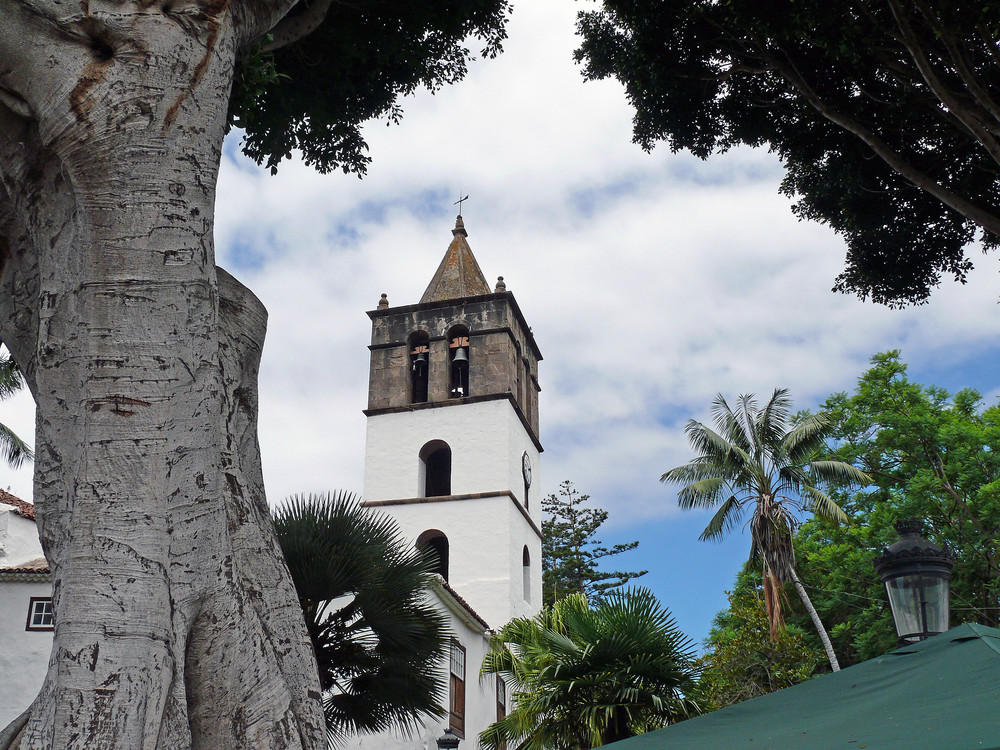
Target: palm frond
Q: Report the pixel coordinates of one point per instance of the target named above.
(838, 473)
(825, 507)
(725, 518)
(11, 380)
(702, 494)
(13, 450)
(805, 438)
(772, 420)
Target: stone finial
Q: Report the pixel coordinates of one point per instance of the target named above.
(459, 227)
(383, 303)
(501, 287)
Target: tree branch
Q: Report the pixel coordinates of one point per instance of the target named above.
(293, 28)
(255, 18)
(984, 218)
(969, 119)
(971, 81)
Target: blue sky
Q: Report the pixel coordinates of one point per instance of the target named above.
(651, 281)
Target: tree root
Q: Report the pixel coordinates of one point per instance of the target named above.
(10, 736)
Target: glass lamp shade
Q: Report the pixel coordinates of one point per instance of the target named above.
(917, 576)
(919, 606)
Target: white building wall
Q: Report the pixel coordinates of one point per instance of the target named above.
(480, 697)
(486, 538)
(24, 654)
(18, 539)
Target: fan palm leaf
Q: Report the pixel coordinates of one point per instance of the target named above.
(583, 677)
(757, 458)
(379, 644)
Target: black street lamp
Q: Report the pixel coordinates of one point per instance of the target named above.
(917, 576)
(448, 741)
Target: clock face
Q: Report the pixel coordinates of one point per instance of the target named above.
(526, 468)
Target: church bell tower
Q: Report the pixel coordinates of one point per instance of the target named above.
(452, 442)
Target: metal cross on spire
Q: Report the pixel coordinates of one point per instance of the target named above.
(459, 203)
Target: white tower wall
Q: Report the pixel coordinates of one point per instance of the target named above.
(484, 518)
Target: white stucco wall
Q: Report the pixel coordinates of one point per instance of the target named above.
(480, 700)
(486, 539)
(487, 440)
(18, 539)
(24, 655)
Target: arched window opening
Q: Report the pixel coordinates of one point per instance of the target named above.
(458, 361)
(526, 574)
(436, 458)
(437, 542)
(419, 366)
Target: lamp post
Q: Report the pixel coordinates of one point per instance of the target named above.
(917, 576)
(448, 741)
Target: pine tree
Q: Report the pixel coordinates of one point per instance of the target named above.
(570, 553)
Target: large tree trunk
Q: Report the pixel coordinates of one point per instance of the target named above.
(176, 625)
(814, 616)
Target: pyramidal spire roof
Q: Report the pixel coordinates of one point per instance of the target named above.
(459, 274)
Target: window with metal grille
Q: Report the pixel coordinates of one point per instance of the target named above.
(39, 613)
(456, 691)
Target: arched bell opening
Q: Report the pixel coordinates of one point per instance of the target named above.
(458, 362)
(437, 543)
(435, 459)
(419, 348)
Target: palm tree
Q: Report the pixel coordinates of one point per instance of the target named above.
(762, 461)
(583, 677)
(13, 450)
(379, 643)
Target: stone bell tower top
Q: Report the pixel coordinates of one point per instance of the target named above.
(459, 274)
(463, 342)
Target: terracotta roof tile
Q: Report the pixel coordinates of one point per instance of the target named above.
(38, 565)
(464, 604)
(22, 508)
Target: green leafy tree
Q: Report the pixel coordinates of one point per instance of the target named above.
(571, 554)
(379, 643)
(931, 456)
(12, 448)
(883, 113)
(312, 93)
(585, 676)
(743, 661)
(760, 462)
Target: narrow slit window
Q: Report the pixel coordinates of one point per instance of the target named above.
(526, 574)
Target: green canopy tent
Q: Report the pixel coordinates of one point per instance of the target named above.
(940, 694)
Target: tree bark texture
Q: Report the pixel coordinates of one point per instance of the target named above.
(824, 637)
(176, 623)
